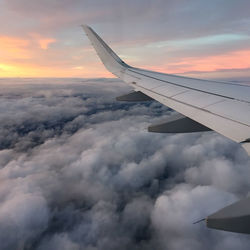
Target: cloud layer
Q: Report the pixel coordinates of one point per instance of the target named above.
(80, 171)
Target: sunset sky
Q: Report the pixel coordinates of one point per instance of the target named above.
(43, 38)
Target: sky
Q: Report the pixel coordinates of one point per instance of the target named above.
(85, 174)
(43, 38)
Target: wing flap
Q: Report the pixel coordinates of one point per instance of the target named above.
(136, 96)
(178, 123)
(233, 218)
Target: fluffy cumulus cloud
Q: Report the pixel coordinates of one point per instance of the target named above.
(80, 171)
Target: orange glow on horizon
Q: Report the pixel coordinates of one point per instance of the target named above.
(13, 48)
(34, 57)
(231, 61)
(30, 58)
(11, 70)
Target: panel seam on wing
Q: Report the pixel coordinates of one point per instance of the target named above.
(183, 86)
(190, 105)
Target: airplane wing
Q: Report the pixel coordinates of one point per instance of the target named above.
(204, 104)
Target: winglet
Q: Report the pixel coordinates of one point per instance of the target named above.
(108, 57)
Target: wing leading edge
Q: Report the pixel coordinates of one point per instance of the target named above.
(219, 106)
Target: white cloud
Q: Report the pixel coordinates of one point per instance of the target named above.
(79, 170)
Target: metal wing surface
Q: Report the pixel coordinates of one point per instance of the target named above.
(222, 107)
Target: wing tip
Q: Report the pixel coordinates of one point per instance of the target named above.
(85, 27)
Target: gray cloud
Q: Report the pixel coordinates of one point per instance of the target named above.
(177, 19)
(80, 171)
